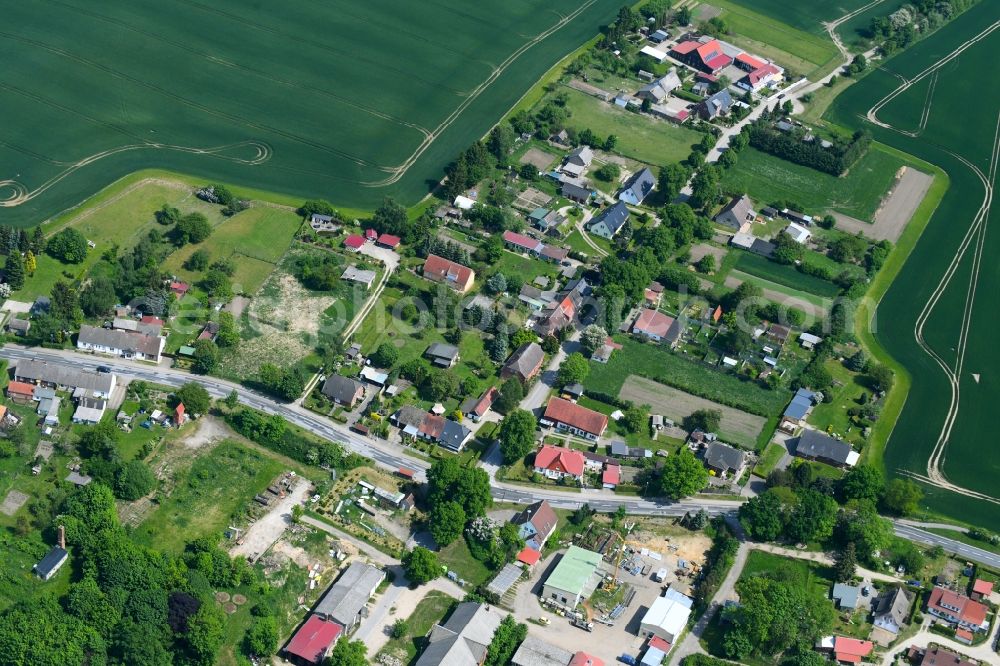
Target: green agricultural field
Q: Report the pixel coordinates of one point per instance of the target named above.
(785, 275)
(658, 364)
(255, 240)
(953, 127)
(807, 15)
(858, 194)
(207, 494)
(808, 53)
(347, 100)
(643, 139)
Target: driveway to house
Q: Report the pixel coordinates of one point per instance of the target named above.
(547, 378)
(390, 260)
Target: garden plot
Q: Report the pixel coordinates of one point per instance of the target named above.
(737, 426)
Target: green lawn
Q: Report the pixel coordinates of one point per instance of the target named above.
(658, 364)
(832, 416)
(457, 558)
(525, 268)
(768, 179)
(639, 137)
(431, 610)
(785, 275)
(772, 454)
(255, 240)
(207, 495)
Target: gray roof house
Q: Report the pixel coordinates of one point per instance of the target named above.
(717, 105)
(19, 326)
(737, 212)
(891, 609)
(346, 599)
(637, 187)
(610, 221)
(66, 377)
(51, 563)
(464, 638)
(725, 459)
(815, 445)
(442, 355)
(575, 189)
(536, 652)
(581, 156)
(127, 344)
(658, 90)
(343, 390)
(454, 435)
(524, 363)
(846, 596)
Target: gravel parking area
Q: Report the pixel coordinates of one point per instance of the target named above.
(702, 250)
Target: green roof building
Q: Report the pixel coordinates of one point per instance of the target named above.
(575, 578)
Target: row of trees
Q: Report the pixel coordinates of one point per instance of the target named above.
(834, 160)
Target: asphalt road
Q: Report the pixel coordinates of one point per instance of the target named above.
(393, 458)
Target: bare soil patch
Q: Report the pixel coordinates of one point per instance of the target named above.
(222, 597)
(15, 500)
(703, 250)
(531, 199)
(538, 158)
(676, 404)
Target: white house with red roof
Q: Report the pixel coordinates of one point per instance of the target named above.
(556, 462)
(958, 609)
(846, 650)
(656, 326)
(566, 415)
(388, 241)
(354, 242)
(313, 642)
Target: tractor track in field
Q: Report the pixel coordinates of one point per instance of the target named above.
(398, 172)
(974, 237)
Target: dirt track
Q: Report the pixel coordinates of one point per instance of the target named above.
(675, 404)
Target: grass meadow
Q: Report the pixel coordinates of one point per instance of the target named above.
(314, 99)
(658, 364)
(784, 275)
(651, 142)
(964, 129)
(858, 194)
(255, 240)
(206, 495)
(805, 15)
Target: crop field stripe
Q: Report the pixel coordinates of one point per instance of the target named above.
(381, 93)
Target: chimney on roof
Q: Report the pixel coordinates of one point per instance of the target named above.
(62, 537)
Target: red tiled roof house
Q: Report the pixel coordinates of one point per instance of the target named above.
(566, 415)
(957, 609)
(658, 327)
(313, 642)
(21, 393)
(556, 462)
(354, 242)
(388, 241)
(458, 277)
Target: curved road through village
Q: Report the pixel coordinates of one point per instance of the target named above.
(393, 457)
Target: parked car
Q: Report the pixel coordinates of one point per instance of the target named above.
(627, 659)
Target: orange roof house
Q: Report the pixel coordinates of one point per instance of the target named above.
(566, 415)
(458, 277)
